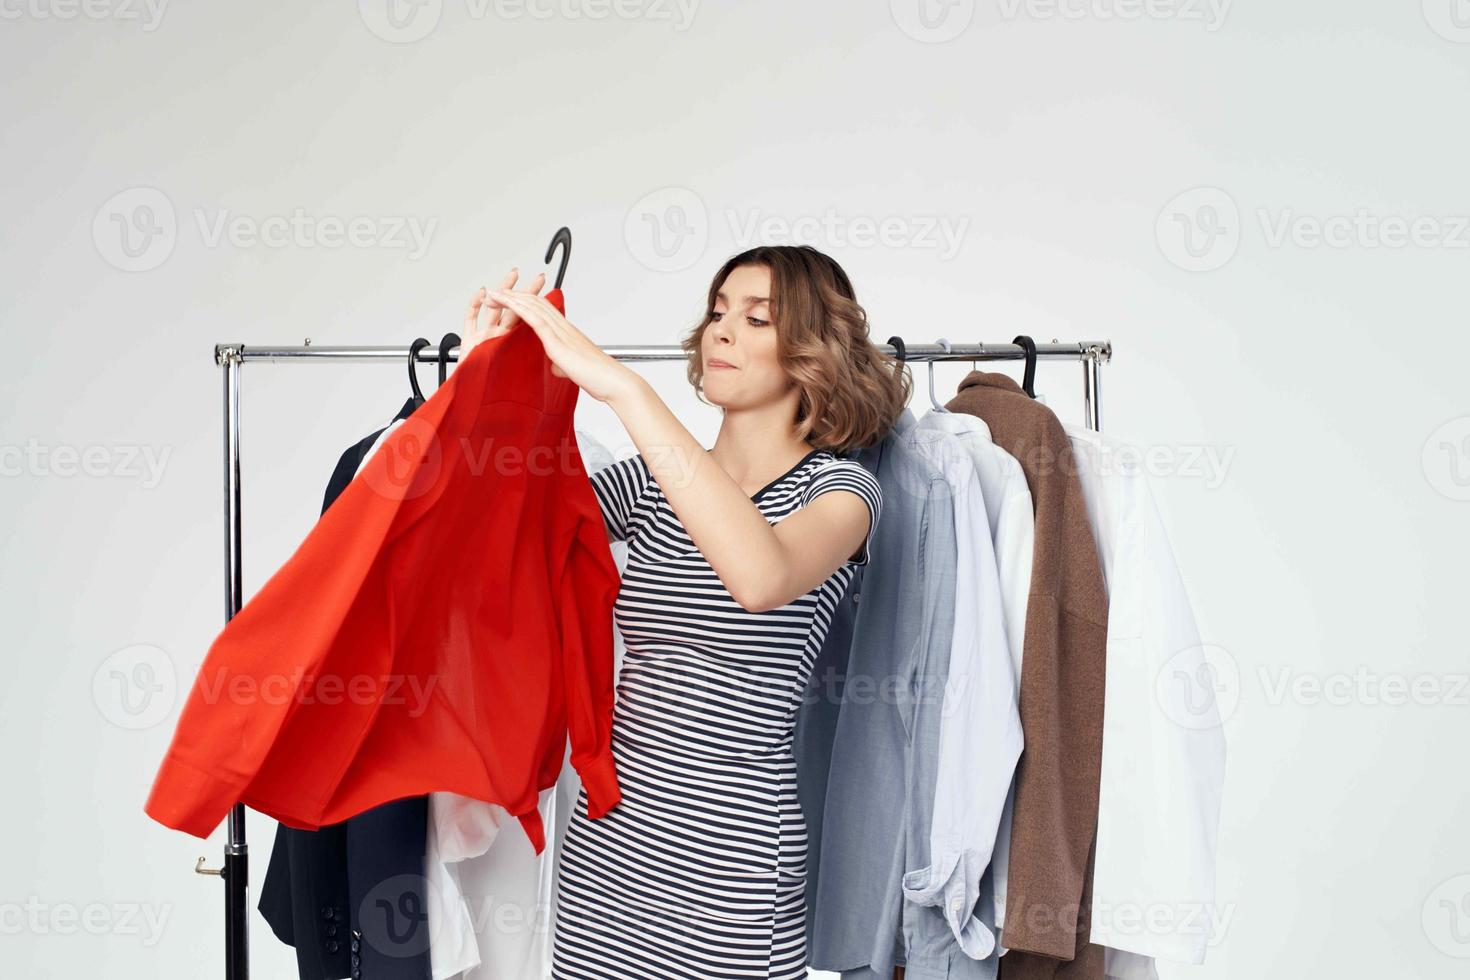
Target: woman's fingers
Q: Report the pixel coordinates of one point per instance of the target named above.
(508, 316)
(535, 310)
(472, 314)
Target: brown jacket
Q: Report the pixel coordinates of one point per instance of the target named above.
(1062, 672)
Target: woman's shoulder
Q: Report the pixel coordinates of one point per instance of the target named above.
(833, 471)
(630, 475)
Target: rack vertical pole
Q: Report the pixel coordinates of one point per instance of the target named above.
(237, 856)
(1092, 388)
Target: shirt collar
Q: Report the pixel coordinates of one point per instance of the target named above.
(991, 379)
(905, 421)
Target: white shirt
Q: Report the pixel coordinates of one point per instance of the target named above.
(980, 721)
(1012, 516)
(1163, 757)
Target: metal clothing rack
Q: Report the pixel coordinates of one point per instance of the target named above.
(230, 357)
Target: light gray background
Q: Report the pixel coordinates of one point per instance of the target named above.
(1150, 174)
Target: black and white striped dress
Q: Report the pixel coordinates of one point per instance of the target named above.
(699, 870)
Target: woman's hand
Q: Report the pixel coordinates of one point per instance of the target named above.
(500, 319)
(573, 355)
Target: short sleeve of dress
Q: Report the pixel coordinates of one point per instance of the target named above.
(850, 475)
(618, 487)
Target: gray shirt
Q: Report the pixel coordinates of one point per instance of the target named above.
(867, 735)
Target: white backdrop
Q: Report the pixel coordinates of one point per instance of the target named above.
(1262, 204)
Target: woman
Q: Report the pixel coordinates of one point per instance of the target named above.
(737, 556)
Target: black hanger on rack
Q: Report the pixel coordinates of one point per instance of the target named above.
(901, 355)
(1028, 379)
(450, 340)
(563, 237)
(413, 378)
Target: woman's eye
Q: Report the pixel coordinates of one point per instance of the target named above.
(757, 323)
(715, 316)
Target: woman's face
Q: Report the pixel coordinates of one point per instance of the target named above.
(743, 336)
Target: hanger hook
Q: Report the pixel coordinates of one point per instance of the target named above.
(413, 378)
(563, 237)
(1028, 377)
(948, 348)
(450, 340)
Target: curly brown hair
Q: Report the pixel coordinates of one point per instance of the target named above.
(851, 392)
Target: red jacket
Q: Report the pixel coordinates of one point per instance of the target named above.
(444, 626)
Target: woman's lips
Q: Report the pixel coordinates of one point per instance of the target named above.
(720, 364)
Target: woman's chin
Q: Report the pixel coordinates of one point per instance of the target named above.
(715, 395)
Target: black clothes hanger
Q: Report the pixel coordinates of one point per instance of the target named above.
(901, 354)
(413, 378)
(563, 237)
(450, 340)
(1028, 379)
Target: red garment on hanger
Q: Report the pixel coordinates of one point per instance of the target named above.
(445, 625)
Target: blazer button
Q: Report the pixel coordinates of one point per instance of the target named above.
(331, 930)
(328, 912)
(333, 946)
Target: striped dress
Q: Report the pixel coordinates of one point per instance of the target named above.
(699, 871)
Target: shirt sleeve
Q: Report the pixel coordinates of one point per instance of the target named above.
(852, 476)
(618, 487)
(980, 736)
